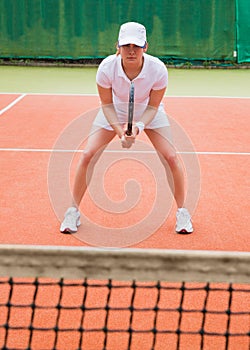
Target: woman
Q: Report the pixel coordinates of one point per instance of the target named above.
(114, 77)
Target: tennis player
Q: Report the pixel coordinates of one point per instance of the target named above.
(131, 63)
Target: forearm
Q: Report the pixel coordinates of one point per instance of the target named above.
(148, 115)
(111, 116)
(106, 97)
(155, 99)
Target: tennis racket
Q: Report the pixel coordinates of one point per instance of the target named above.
(130, 109)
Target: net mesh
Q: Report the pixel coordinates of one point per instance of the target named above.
(57, 312)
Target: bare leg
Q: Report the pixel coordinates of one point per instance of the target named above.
(168, 156)
(97, 141)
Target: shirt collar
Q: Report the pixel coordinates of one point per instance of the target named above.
(122, 74)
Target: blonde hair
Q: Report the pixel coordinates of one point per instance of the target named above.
(117, 49)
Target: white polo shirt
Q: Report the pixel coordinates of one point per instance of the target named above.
(153, 76)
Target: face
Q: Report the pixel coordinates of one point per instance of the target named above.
(132, 54)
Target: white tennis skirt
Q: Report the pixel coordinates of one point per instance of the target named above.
(160, 120)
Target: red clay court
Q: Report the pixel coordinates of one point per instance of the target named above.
(217, 128)
(31, 124)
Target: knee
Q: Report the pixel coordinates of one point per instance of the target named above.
(86, 158)
(172, 161)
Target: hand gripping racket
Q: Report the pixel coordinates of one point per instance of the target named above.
(130, 109)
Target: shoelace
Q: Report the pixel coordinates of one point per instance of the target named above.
(183, 217)
(71, 219)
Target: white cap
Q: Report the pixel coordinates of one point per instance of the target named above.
(132, 33)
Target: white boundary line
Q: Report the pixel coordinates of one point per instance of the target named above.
(44, 150)
(96, 95)
(2, 111)
(22, 95)
(107, 151)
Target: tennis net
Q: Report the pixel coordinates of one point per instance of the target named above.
(129, 299)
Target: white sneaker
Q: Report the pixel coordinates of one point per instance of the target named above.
(71, 221)
(183, 221)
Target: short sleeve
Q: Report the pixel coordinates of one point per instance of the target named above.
(161, 80)
(103, 74)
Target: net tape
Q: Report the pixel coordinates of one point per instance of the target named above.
(124, 264)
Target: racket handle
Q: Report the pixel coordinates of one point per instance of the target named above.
(129, 130)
